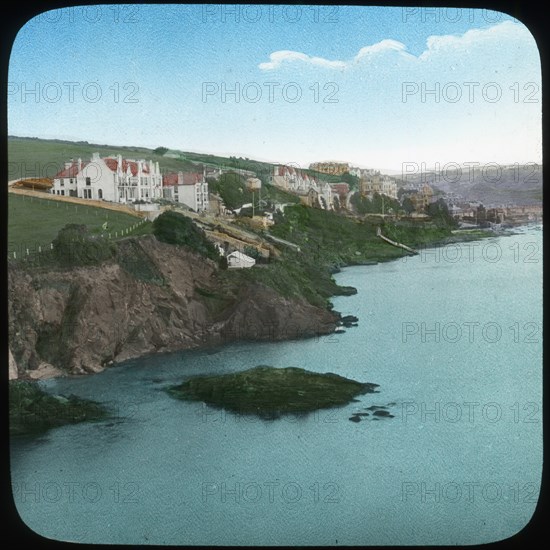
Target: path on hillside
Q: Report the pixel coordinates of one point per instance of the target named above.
(75, 200)
(394, 243)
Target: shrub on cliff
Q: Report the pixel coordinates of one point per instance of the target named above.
(173, 228)
(74, 246)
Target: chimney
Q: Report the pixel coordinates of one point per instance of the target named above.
(95, 157)
(79, 165)
(68, 165)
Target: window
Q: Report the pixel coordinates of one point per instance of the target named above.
(62, 184)
(63, 192)
(88, 181)
(71, 180)
(100, 194)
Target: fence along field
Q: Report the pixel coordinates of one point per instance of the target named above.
(35, 222)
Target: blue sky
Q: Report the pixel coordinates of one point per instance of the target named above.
(312, 83)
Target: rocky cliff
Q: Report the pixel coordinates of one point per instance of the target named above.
(154, 298)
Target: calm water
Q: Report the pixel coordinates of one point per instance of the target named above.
(460, 462)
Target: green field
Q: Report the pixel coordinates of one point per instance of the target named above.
(34, 222)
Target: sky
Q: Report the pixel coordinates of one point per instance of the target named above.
(377, 87)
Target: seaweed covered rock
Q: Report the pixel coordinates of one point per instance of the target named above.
(270, 392)
(32, 410)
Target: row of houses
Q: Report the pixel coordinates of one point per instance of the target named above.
(111, 179)
(332, 168)
(129, 181)
(311, 190)
(363, 172)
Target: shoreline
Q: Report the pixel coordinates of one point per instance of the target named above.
(50, 371)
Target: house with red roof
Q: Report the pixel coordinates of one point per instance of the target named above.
(111, 179)
(189, 188)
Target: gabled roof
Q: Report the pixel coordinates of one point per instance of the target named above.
(170, 179)
(189, 178)
(70, 172)
(240, 256)
(112, 164)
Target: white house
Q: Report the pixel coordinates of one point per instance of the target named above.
(111, 178)
(238, 260)
(187, 188)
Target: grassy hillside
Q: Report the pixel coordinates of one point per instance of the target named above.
(328, 241)
(232, 189)
(35, 157)
(33, 222)
(32, 157)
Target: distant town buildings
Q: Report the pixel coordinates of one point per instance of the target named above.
(378, 183)
(421, 195)
(332, 168)
(363, 172)
(189, 188)
(111, 179)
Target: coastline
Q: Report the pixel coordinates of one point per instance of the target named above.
(214, 334)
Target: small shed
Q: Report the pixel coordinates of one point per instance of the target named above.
(238, 260)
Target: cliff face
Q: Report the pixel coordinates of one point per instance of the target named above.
(155, 298)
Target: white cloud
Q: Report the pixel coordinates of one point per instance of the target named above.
(276, 59)
(499, 34)
(496, 36)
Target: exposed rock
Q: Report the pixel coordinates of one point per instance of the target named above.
(383, 413)
(83, 319)
(349, 320)
(44, 370)
(13, 374)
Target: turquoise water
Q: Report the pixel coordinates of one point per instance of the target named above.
(459, 463)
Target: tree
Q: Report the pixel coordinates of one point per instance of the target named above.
(439, 212)
(160, 151)
(74, 246)
(173, 228)
(408, 205)
(252, 252)
(351, 180)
